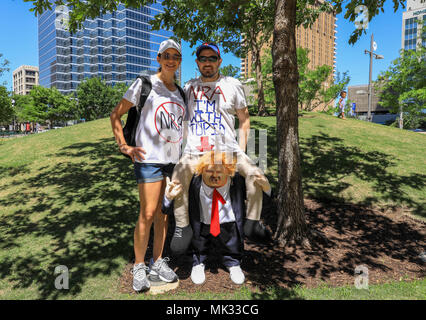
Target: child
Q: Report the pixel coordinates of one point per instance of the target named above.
(216, 213)
(342, 105)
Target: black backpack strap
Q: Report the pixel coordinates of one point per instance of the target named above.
(134, 113)
(146, 89)
(182, 93)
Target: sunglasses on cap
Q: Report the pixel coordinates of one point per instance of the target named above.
(210, 58)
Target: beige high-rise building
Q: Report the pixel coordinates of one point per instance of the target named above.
(24, 79)
(320, 39)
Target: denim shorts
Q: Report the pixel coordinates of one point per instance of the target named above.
(152, 172)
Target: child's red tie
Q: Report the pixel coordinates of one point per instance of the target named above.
(214, 223)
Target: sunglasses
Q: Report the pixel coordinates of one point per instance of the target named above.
(210, 58)
(174, 57)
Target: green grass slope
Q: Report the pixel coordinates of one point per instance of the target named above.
(355, 161)
(67, 197)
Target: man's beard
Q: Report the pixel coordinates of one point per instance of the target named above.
(212, 75)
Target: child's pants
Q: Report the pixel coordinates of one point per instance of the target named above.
(228, 242)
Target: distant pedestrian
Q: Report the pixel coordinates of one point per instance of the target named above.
(353, 109)
(341, 105)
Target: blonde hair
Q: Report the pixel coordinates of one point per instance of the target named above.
(221, 158)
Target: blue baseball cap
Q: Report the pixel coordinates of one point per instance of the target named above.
(208, 45)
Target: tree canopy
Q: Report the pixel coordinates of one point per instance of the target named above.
(313, 92)
(3, 66)
(230, 70)
(205, 13)
(6, 108)
(96, 99)
(402, 87)
(50, 104)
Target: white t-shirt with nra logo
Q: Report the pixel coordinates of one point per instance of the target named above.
(211, 114)
(159, 130)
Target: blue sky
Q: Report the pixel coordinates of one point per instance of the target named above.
(18, 43)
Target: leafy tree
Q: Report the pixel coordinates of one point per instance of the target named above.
(312, 92)
(96, 99)
(3, 66)
(291, 221)
(119, 89)
(230, 71)
(6, 108)
(24, 108)
(50, 104)
(402, 88)
(202, 19)
(268, 85)
(310, 81)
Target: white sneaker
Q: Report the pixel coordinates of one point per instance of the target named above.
(197, 274)
(237, 275)
(140, 280)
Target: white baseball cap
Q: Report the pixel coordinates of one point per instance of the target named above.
(170, 43)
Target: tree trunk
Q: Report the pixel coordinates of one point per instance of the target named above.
(291, 214)
(401, 119)
(259, 79)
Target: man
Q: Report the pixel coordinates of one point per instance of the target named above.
(216, 212)
(213, 102)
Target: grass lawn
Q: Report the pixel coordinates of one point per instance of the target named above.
(358, 162)
(67, 197)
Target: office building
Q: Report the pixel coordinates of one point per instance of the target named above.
(358, 95)
(320, 39)
(413, 20)
(24, 79)
(117, 47)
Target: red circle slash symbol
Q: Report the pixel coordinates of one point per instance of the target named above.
(166, 121)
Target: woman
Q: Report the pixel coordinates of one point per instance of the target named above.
(158, 138)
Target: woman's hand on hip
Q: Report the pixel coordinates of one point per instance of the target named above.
(135, 153)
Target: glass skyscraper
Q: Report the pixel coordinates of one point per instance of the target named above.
(413, 20)
(116, 47)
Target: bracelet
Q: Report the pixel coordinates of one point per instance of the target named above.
(121, 144)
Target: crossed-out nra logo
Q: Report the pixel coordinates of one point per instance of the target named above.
(168, 121)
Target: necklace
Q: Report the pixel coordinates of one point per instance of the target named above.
(169, 84)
